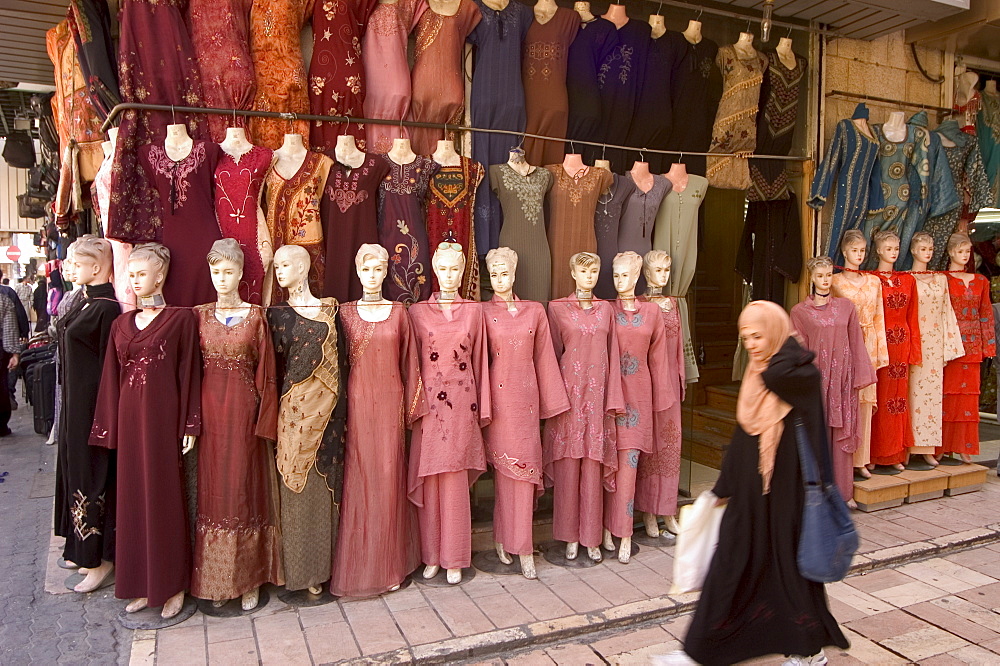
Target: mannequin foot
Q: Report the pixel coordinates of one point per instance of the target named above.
(571, 550)
(95, 578)
(502, 554)
(219, 603)
(137, 605)
(395, 588)
(900, 467)
(250, 599)
(870, 466)
(595, 554)
(609, 543)
(431, 570)
(863, 471)
(173, 606)
(670, 522)
(454, 576)
(315, 590)
(528, 566)
(83, 571)
(930, 460)
(966, 458)
(625, 550)
(651, 524)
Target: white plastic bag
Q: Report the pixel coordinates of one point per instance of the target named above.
(696, 541)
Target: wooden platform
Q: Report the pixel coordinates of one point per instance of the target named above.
(881, 492)
(966, 478)
(886, 492)
(925, 485)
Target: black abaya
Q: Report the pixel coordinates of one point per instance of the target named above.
(697, 88)
(754, 602)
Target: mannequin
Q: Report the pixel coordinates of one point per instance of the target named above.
(990, 87)
(447, 453)
(573, 163)
(895, 127)
(583, 9)
(544, 10)
(102, 204)
(659, 28)
(616, 14)
(647, 389)
(578, 464)
(307, 443)
(692, 33)
(678, 176)
(785, 53)
(232, 461)
(236, 143)
(85, 475)
(291, 156)
(347, 151)
(401, 152)
(518, 163)
(526, 386)
(178, 143)
(659, 471)
(744, 45)
(445, 155)
(641, 175)
(940, 342)
(149, 410)
(378, 545)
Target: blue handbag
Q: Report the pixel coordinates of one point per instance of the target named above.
(828, 540)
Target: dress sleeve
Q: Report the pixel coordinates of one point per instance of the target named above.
(864, 372)
(953, 347)
(104, 431)
(913, 321)
(826, 174)
(552, 398)
(881, 346)
(664, 393)
(413, 387)
(107, 320)
(800, 324)
(614, 393)
(481, 368)
(977, 182)
(556, 332)
(943, 190)
(189, 376)
(677, 352)
(986, 319)
(267, 387)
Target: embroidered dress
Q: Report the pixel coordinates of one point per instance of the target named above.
(971, 304)
(90, 21)
(543, 69)
(310, 452)
(654, 118)
(607, 223)
(572, 202)
(447, 453)
(833, 333)
(988, 133)
(237, 542)
(238, 185)
(735, 129)
(378, 543)
(349, 211)
(402, 229)
(621, 76)
(149, 399)
(523, 198)
(593, 44)
(525, 386)
(187, 211)
(292, 213)
(74, 111)
(579, 454)
(451, 201)
(779, 95)
(940, 342)
(892, 433)
(850, 169)
(85, 475)
(638, 220)
(697, 87)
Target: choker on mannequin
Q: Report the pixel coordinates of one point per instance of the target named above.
(827, 294)
(584, 294)
(151, 302)
(447, 295)
(654, 291)
(372, 297)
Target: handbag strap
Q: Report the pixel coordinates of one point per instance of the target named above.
(812, 473)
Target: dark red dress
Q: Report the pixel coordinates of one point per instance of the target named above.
(150, 398)
(892, 433)
(451, 198)
(187, 204)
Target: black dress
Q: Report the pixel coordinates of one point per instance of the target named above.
(85, 475)
(697, 89)
(770, 250)
(621, 77)
(592, 45)
(754, 601)
(653, 120)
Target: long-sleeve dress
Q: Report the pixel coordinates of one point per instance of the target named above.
(150, 398)
(832, 332)
(892, 433)
(940, 342)
(593, 43)
(525, 386)
(621, 77)
(378, 544)
(867, 300)
(237, 543)
(447, 453)
(971, 303)
(85, 475)
(754, 601)
(579, 454)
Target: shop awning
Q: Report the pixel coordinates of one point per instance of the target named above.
(23, 23)
(975, 33)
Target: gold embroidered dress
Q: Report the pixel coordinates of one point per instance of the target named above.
(735, 129)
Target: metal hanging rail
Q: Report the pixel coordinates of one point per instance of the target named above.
(743, 16)
(126, 106)
(941, 110)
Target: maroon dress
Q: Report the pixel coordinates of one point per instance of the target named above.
(187, 202)
(150, 398)
(451, 200)
(543, 69)
(349, 212)
(378, 544)
(238, 182)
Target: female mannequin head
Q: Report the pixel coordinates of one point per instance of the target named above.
(959, 251)
(656, 268)
(371, 263)
(887, 248)
(585, 268)
(855, 247)
(821, 274)
(225, 262)
(291, 266)
(922, 248)
(448, 263)
(148, 265)
(69, 265)
(502, 265)
(625, 268)
(92, 260)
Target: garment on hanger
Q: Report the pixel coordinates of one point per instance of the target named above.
(638, 220)
(607, 222)
(523, 198)
(220, 32)
(451, 199)
(90, 22)
(697, 90)
(621, 77)
(592, 46)
(771, 248)
(544, 67)
(75, 115)
(735, 128)
(280, 71)
(572, 202)
(402, 228)
(387, 70)
(988, 133)
(779, 107)
(653, 121)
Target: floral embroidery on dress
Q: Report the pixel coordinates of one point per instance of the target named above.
(177, 172)
(530, 190)
(630, 419)
(630, 364)
(137, 369)
(80, 510)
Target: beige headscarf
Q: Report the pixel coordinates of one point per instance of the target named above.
(758, 410)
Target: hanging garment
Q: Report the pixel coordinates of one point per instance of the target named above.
(592, 45)
(654, 119)
(771, 248)
(849, 168)
(572, 202)
(90, 21)
(523, 198)
(638, 220)
(74, 112)
(451, 200)
(779, 109)
(735, 129)
(621, 77)
(988, 133)
(101, 201)
(697, 89)
(607, 222)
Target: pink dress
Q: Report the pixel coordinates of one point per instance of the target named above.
(387, 70)
(525, 385)
(378, 544)
(579, 445)
(833, 333)
(659, 472)
(238, 184)
(648, 388)
(447, 453)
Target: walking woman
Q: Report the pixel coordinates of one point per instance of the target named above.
(754, 601)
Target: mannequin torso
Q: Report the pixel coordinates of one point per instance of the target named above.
(573, 164)
(347, 151)
(518, 163)
(744, 46)
(616, 14)
(444, 7)
(678, 176)
(692, 33)
(236, 144)
(446, 155)
(641, 176)
(290, 157)
(659, 28)
(178, 144)
(895, 128)
(583, 9)
(544, 10)
(401, 152)
(785, 54)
